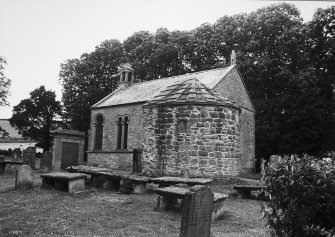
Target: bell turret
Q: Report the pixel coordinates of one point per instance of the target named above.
(126, 73)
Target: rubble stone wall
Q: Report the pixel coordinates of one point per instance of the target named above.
(210, 146)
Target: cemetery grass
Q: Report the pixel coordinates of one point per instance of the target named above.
(97, 212)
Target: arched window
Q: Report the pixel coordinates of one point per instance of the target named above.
(99, 120)
(125, 133)
(123, 78)
(130, 74)
(119, 133)
(182, 126)
(122, 132)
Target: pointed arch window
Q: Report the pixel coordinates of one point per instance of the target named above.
(99, 123)
(122, 132)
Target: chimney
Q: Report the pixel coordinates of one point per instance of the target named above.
(232, 58)
(126, 73)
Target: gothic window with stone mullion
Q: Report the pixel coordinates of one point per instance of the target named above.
(122, 133)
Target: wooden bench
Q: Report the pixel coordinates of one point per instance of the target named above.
(112, 179)
(244, 191)
(64, 181)
(167, 181)
(4, 163)
(168, 199)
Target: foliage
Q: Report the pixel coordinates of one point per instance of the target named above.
(302, 196)
(4, 84)
(87, 80)
(4, 91)
(287, 66)
(3, 133)
(36, 116)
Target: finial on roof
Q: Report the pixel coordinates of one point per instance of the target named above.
(232, 58)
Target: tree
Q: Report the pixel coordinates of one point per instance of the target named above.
(89, 79)
(35, 117)
(4, 84)
(4, 91)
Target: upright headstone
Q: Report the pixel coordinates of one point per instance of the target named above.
(16, 153)
(46, 161)
(29, 156)
(197, 212)
(24, 178)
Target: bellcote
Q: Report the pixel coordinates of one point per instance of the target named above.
(126, 73)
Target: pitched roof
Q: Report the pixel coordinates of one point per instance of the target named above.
(189, 91)
(13, 133)
(146, 91)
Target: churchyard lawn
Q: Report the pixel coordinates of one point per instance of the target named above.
(97, 212)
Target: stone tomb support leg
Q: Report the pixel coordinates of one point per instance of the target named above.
(165, 203)
(2, 169)
(244, 193)
(111, 184)
(76, 185)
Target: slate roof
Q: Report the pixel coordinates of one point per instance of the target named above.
(146, 91)
(13, 133)
(189, 91)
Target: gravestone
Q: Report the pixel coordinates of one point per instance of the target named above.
(2, 157)
(29, 156)
(16, 153)
(46, 161)
(24, 178)
(197, 212)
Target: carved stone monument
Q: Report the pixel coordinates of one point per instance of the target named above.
(29, 156)
(46, 161)
(68, 149)
(24, 178)
(197, 212)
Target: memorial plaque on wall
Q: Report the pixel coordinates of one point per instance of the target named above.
(197, 212)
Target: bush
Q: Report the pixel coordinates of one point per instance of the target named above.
(301, 194)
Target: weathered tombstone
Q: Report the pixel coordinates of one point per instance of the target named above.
(46, 161)
(24, 178)
(29, 156)
(197, 212)
(16, 153)
(137, 160)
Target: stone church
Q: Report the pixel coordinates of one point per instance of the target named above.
(202, 123)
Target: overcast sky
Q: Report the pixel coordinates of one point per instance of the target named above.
(38, 35)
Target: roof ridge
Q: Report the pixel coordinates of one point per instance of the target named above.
(192, 73)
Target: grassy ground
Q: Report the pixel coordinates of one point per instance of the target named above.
(97, 212)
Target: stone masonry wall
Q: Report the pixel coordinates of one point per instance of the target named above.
(109, 156)
(232, 88)
(210, 147)
(120, 161)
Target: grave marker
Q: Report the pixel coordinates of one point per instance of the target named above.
(24, 178)
(46, 161)
(29, 157)
(197, 212)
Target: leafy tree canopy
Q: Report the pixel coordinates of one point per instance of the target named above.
(36, 116)
(287, 66)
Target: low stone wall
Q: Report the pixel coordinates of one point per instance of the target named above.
(210, 146)
(121, 161)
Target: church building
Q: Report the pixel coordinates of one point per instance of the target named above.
(202, 123)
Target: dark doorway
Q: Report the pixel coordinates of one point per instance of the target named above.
(69, 154)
